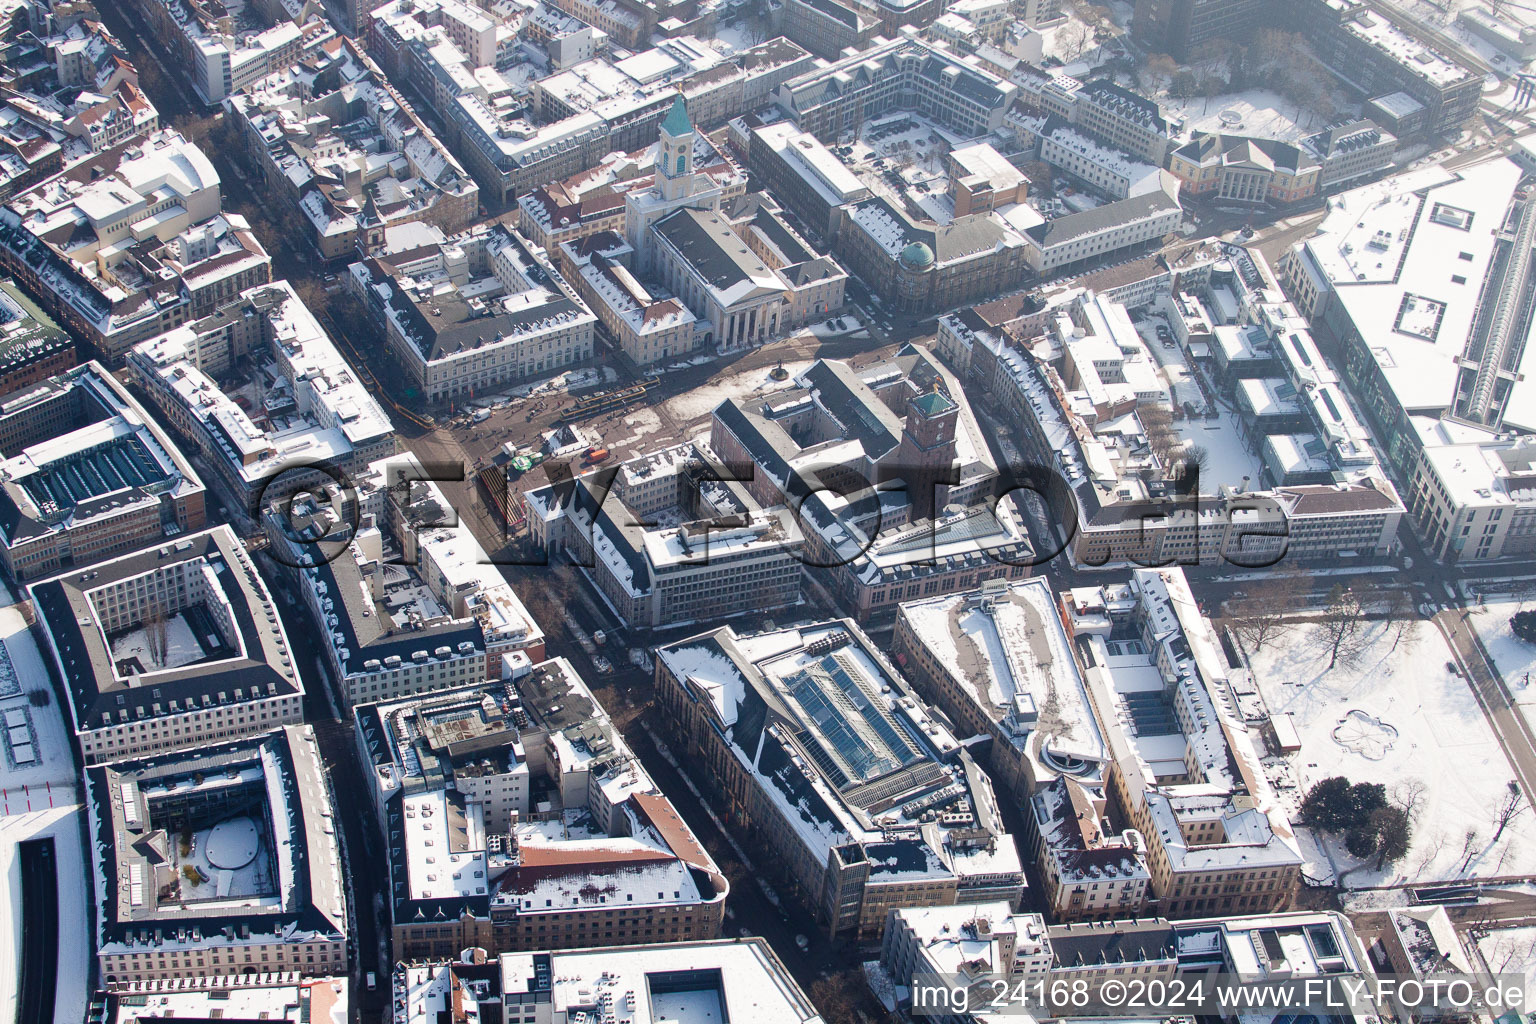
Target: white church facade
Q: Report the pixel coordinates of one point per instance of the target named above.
(694, 271)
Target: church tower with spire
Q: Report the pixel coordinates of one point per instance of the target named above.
(674, 158)
(676, 184)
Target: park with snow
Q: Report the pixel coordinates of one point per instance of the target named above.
(1397, 713)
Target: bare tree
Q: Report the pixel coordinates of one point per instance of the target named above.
(1340, 630)
(156, 634)
(1506, 812)
(1403, 616)
(1432, 850)
(1409, 794)
(1071, 40)
(1468, 849)
(1157, 72)
(1260, 619)
(1157, 421)
(1508, 953)
(1198, 456)
(196, 129)
(838, 995)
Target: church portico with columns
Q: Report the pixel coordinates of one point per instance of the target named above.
(708, 265)
(744, 280)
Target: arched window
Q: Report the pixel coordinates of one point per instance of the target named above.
(682, 160)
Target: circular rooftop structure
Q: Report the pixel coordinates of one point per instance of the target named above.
(232, 844)
(917, 256)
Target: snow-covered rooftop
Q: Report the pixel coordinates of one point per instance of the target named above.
(1006, 648)
(671, 983)
(847, 752)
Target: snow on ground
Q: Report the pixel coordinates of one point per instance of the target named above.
(1511, 951)
(1182, 385)
(1069, 40)
(1441, 16)
(39, 799)
(1229, 458)
(1514, 658)
(181, 646)
(701, 401)
(734, 36)
(1400, 718)
(1260, 112)
(641, 423)
(1315, 866)
(1077, 200)
(231, 860)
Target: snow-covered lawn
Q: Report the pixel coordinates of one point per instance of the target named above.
(1070, 41)
(701, 401)
(1259, 112)
(1511, 951)
(1403, 719)
(735, 36)
(1514, 658)
(1229, 460)
(181, 646)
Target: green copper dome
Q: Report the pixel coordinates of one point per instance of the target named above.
(917, 256)
(677, 122)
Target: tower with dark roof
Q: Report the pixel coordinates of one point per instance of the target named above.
(926, 460)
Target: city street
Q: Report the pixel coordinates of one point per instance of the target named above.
(558, 595)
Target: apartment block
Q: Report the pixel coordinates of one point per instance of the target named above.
(335, 141)
(657, 982)
(170, 649)
(165, 856)
(671, 538)
(87, 475)
(889, 474)
(406, 598)
(315, 419)
(487, 311)
(1185, 774)
(516, 818)
(129, 243)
